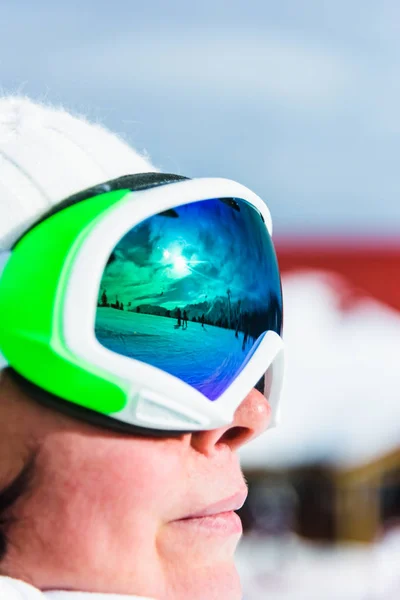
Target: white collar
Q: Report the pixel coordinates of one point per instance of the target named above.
(89, 596)
(14, 589)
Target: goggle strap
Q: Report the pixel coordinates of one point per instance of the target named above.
(134, 183)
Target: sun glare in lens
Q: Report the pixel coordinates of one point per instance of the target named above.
(180, 263)
(174, 258)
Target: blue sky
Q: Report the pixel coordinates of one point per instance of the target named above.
(298, 100)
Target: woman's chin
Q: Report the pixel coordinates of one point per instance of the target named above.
(205, 542)
(213, 582)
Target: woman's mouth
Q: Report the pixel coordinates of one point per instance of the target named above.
(218, 517)
(224, 523)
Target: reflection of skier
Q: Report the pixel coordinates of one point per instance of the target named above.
(246, 330)
(202, 320)
(185, 320)
(238, 319)
(245, 338)
(179, 315)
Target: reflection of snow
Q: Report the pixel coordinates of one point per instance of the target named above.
(290, 569)
(341, 397)
(204, 357)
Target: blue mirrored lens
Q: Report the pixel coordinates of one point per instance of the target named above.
(192, 291)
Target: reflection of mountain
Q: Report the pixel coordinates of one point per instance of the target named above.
(151, 309)
(214, 312)
(240, 315)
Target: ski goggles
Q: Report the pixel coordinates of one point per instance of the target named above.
(151, 303)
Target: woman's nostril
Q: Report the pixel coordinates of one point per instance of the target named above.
(237, 434)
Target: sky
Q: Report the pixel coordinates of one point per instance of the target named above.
(297, 100)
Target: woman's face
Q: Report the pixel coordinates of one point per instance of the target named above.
(116, 513)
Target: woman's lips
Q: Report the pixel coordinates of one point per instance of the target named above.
(225, 523)
(218, 517)
(226, 505)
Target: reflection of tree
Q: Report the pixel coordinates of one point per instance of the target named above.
(105, 304)
(104, 299)
(255, 322)
(228, 291)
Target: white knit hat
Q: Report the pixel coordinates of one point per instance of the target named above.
(46, 154)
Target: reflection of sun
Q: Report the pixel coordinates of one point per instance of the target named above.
(180, 263)
(176, 263)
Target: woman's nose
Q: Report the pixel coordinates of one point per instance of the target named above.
(251, 419)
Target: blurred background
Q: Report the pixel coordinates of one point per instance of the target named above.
(300, 102)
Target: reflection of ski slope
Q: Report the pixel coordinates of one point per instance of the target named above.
(211, 354)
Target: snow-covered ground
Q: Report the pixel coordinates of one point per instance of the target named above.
(291, 569)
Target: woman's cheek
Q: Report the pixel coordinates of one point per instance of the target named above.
(118, 473)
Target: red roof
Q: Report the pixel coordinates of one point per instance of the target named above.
(372, 267)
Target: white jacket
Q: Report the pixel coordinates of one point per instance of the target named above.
(14, 589)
